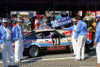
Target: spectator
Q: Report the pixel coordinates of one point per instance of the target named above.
(38, 20)
(45, 25)
(92, 29)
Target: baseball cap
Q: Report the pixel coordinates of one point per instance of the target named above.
(5, 20)
(45, 19)
(98, 15)
(18, 20)
(39, 16)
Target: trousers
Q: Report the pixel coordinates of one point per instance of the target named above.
(80, 47)
(98, 52)
(7, 47)
(74, 45)
(19, 50)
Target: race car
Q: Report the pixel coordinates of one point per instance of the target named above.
(45, 40)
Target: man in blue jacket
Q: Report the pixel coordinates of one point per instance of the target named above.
(73, 28)
(81, 32)
(18, 37)
(6, 42)
(97, 40)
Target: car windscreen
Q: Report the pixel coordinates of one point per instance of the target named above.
(42, 34)
(30, 35)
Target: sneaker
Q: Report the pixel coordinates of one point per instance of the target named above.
(13, 66)
(17, 61)
(74, 54)
(77, 59)
(82, 59)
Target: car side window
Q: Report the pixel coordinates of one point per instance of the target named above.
(40, 35)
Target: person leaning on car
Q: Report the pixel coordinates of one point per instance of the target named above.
(81, 32)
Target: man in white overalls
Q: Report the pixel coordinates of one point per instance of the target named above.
(97, 40)
(18, 37)
(73, 28)
(6, 42)
(80, 36)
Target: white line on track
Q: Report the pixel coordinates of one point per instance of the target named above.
(48, 59)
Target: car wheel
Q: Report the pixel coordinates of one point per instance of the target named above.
(33, 51)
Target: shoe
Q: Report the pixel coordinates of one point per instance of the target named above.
(13, 66)
(17, 61)
(82, 59)
(74, 54)
(77, 59)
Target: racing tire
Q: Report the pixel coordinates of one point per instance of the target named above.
(33, 51)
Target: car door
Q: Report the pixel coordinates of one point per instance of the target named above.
(56, 39)
(42, 40)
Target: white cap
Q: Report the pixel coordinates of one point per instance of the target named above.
(98, 15)
(74, 20)
(45, 19)
(4, 20)
(51, 33)
(18, 20)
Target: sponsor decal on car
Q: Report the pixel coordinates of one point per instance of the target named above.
(50, 48)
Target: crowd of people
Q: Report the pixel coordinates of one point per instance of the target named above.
(15, 34)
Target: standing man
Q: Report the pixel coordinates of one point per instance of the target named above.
(97, 40)
(18, 37)
(6, 42)
(73, 28)
(81, 32)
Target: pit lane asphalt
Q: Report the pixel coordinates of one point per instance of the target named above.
(57, 59)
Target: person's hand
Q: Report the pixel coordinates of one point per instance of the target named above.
(50, 27)
(63, 28)
(15, 39)
(94, 43)
(76, 40)
(74, 30)
(48, 14)
(44, 27)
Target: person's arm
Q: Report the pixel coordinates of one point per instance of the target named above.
(97, 34)
(23, 34)
(78, 29)
(13, 33)
(0, 38)
(41, 27)
(70, 28)
(90, 28)
(79, 25)
(46, 16)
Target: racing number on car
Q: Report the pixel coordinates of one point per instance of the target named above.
(56, 41)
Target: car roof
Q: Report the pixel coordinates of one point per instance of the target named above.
(45, 30)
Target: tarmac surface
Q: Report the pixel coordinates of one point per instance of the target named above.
(57, 59)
